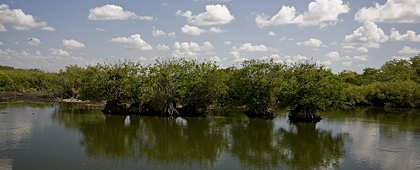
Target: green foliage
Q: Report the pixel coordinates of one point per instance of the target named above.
(397, 70)
(370, 75)
(201, 84)
(311, 87)
(164, 82)
(356, 95)
(119, 82)
(173, 86)
(395, 84)
(20, 80)
(184, 82)
(6, 68)
(351, 77)
(69, 83)
(398, 93)
(415, 65)
(254, 85)
(6, 82)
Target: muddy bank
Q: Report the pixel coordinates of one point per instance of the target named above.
(38, 97)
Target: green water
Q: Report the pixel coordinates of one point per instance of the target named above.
(62, 136)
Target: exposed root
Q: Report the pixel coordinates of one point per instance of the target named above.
(192, 111)
(303, 115)
(114, 108)
(260, 112)
(148, 109)
(170, 110)
(142, 109)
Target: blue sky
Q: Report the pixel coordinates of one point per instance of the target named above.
(351, 35)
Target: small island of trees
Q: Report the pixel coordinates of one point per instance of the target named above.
(182, 87)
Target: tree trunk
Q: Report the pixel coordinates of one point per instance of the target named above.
(114, 108)
(142, 109)
(260, 111)
(192, 111)
(170, 110)
(304, 115)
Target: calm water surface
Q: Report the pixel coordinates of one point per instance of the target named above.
(62, 136)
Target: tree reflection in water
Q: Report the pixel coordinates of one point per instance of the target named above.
(302, 146)
(204, 142)
(309, 147)
(157, 139)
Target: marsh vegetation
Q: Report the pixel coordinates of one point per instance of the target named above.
(188, 88)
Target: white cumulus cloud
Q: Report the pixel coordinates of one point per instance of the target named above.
(72, 44)
(393, 11)
(157, 33)
(320, 12)
(148, 18)
(214, 15)
(216, 30)
(401, 58)
(409, 50)
(162, 47)
(34, 41)
(171, 34)
(48, 28)
(192, 30)
(195, 31)
(57, 59)
(59, 52)
(285, 38)
(253, 48)
(113, 12)
(207, 46)
(141, 58)
(185, 46)
(369, 35)
(2, 28)
(362, 50)
(18, 20)
(100, 29)
(235, 56)
(134, 42)
(191, 49)
(361, 57)
(295, 59)
(327, 63)
(275, 57)
(347, 63)
(409, 36)
(312, 42)
(271, 33)
(333, 55)
(286, 15)
(215, 59)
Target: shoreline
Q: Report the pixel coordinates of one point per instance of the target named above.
(39, 97)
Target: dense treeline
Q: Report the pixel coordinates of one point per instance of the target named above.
(20, 80)
(187, 88)
(395, 84)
